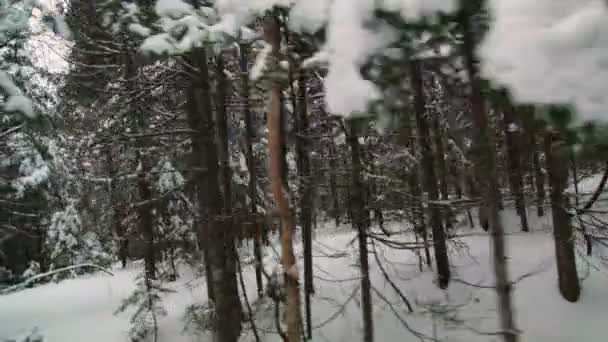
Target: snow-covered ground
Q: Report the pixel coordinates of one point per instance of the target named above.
(82, 309)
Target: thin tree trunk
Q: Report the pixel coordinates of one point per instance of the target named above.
(200, 173)
(414, 202)
(146, 222)
(117, 213)
(588, 241)
(514, 154)
(333, 187)
(487, 168)
(557, 168)
(220, 246)
(360, 221)
(303, 161)
(272, 35)
(252, 188)
(442, 171)
(430, 180)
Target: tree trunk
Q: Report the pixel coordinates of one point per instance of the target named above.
(272, 35)
(252, 188)
(303, 163)
(430, 180)
(146, 221)
(539, 178)
(442, 171)
(557, 168)
(513, 136)
(414, 202)
(360, 221)
(487, 169)
(117, 213)
(333, 186)
(220, 240)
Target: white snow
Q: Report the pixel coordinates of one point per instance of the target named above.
(309, 16)
(513, 127)
(540, 312)
(550, 52)
(172, 8)
(21, 104)
(139, 29)
(260, 64)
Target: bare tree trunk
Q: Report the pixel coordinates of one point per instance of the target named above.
(333, 187)
(117, 213)
(442, 171)
(487, 168)
(360, 221)
(414, 202)
(557, 168)
(146, 222)
(220, 245)
(513, 136)
(536, 149)
(303, 161)
(430, 180)
(198, 159)
(252, 188)
(540, 182)
(272, 35)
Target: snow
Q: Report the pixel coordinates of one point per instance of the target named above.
(513, 127)
(309, 16)
(550, 52)
(21, 104)
(260, 64)
(139, 29)
(172, 8)
(91, 300)
(415, 9)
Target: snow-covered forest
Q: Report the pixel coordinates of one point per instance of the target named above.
(303, 170)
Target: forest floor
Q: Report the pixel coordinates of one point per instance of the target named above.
(80, 310)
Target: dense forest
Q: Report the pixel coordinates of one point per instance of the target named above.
(292, 170)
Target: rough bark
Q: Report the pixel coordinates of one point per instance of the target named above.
(305, 200)
(430, 179)
(220, 241)
(487, 169)
(360, 221)
(252, 187)
(272, 35)
(557, 169)
(513, 136)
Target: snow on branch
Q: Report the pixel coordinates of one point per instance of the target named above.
(50, 273)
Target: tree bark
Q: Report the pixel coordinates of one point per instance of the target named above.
(117, 213)
(220, 240)
(557, 168)
(305, 185)
(513, 136)
(360, 221)
(252, 187)
(146, 222)
(430, 179)
(414, 202)
(489, 182)
(333, 186)
(272, 35)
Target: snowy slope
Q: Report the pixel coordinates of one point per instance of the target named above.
(82, 309)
